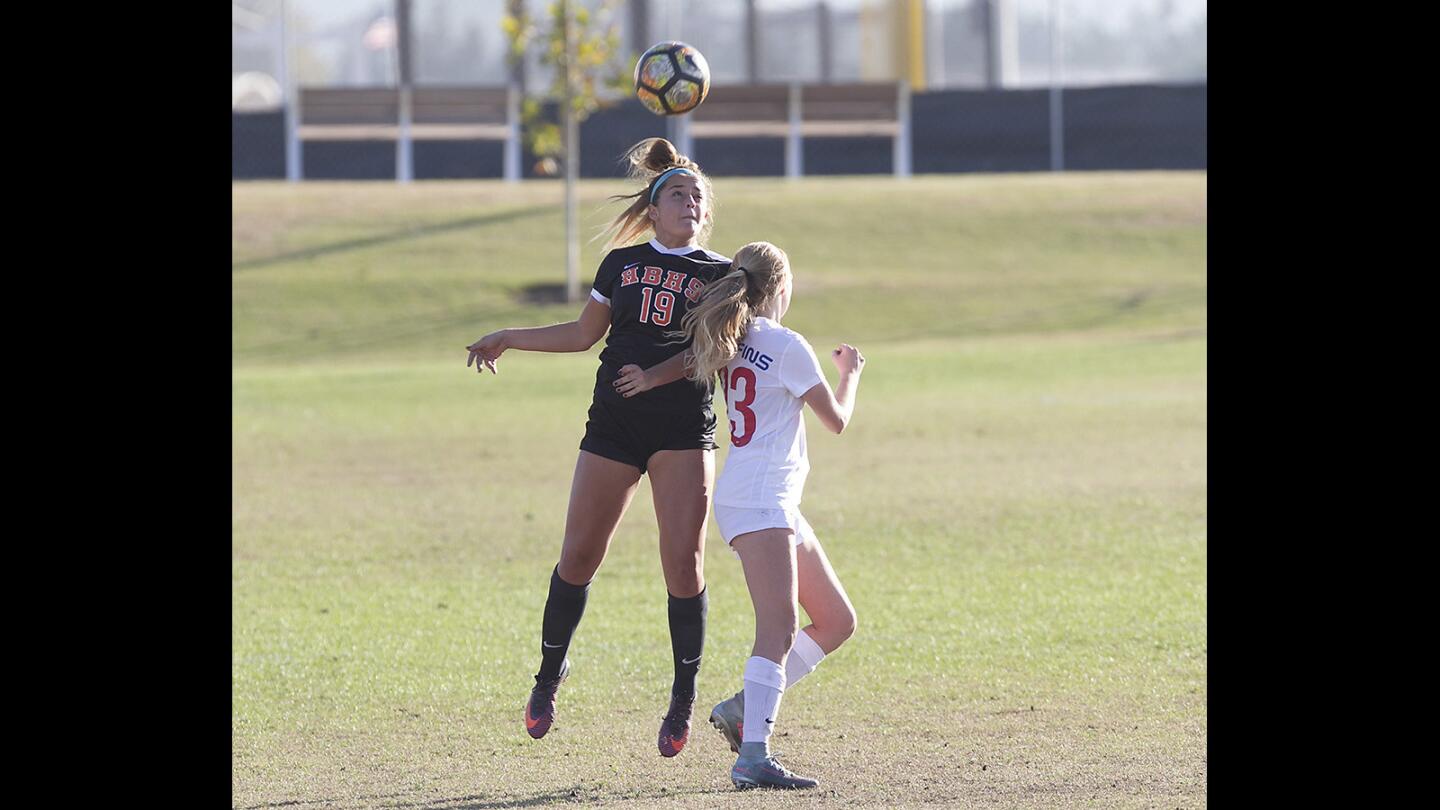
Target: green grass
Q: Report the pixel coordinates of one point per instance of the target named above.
(1018, 511)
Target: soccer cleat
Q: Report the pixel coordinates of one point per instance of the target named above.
(766, 772)
(540, 709)
(729, 717)
(675, 727)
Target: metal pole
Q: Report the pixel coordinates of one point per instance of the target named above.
(515, 93)
(992, 45)
(1003, 62)
(677, 131)
(794, 147)
(752, 42)
(912, 43)
(937, 47)
(294, 171)
(902, 139)
(1057, 112)
(512, 135)
(404, 152)
(827, 60)
(639, 25)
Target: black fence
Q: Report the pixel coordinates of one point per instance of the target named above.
(1106, 128)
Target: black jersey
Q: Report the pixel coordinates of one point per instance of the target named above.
(649, 290)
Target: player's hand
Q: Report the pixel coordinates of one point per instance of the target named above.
(632, 380)
(486, 351)
(848, 359)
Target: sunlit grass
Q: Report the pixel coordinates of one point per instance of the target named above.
(1018, 510)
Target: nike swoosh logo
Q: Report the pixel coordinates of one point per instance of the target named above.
(689, 660)
(551, 646)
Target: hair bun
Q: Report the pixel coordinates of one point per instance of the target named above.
(661, 155)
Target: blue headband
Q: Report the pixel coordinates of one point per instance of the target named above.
(660, 181)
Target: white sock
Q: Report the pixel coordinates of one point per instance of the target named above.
(804, 656)
(764, 684)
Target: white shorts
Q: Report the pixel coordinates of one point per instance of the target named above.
(733, 521)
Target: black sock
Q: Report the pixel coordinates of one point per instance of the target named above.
(563, 609)
(687, 639)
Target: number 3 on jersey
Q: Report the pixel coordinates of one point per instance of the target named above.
(664, 301)
(740, 404)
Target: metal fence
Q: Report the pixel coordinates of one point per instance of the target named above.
(1000, 84)
(1106, 128)
(964, 44)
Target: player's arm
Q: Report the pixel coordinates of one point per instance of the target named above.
(572, 336)
(836, 407)
(634, 380)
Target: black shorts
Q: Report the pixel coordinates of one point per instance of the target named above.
(631, 436)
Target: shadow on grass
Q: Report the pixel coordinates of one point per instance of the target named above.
(1091, 312)
(393, 236)
(365, 336)
(1080, 314)
(482, 801)
(562, 796)
(547, 293)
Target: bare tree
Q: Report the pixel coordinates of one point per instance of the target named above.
(584, 49)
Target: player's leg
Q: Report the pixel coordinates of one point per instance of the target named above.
(681, 482)
(768, 557)
(600, 492)
(832, 619)
(832, 615)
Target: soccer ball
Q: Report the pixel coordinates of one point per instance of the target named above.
(671, 78)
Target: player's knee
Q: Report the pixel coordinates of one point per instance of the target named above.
(684, 579)
(844, 626)
(579, 566)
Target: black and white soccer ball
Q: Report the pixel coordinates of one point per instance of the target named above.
(671, 78)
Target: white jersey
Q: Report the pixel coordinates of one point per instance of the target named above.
(768, 463)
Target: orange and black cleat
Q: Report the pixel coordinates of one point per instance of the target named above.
(675, 728)
(540, 709)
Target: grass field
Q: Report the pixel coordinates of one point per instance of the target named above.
(1018, 510)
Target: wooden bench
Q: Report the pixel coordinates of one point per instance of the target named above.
(795, 112)
(404, 115)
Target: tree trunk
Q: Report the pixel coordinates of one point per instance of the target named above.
(572, 167)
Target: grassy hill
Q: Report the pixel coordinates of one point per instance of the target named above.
(1019, 510)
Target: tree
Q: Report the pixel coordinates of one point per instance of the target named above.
(583, 48)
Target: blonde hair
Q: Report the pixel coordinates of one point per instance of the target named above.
(728, 304)
(648, 160)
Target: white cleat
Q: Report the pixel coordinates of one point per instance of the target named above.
(728, 717)
(766, 772)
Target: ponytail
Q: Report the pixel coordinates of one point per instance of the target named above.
(727, 307)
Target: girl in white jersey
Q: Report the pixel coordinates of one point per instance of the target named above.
(768, 374)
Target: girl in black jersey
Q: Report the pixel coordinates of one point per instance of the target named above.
(640, 292)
